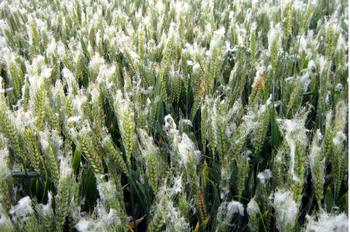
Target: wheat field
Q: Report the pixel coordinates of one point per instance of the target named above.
(173, 115)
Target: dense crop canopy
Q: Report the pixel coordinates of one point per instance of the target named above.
(173, 115)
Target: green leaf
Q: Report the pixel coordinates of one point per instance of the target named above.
(342, 202)
(275, 133)
(76, 160)
(90, 188)
(328, 200)
(38, 190)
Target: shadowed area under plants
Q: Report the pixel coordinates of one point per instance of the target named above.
(173, 115)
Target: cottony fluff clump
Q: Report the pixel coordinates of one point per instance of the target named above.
(186, 149)
(295, 133)
(274, 36)
(170, 126)
(106, 189)
(46, 210)
(227, 210)
(286, 209)
(252, 207)
(22, 210)
(265, 176)
(315, 153)
(327, 222)
(180, 143)
(253, 211)
(4, 170)
(5, 221)
(65, 167)
(102, 221)
(148, 147)
(176, 221)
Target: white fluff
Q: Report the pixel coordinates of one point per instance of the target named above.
(177, 187)
(227, 210)
(5, 222)
(264, 176)
(171, 131)
(176, 221)
(83, 225)
(327, 222)
(38, 72)
(106, 189)
(253, 207)
(96, 61)
(51, 47)
(186, 149)
(22, 210)
(315, 152)
(339, 138)
(295, 133)
(46, 210)
(102, 222)
(44, 141)
(78, 102)
(286, 209)
(4, 170)
(218, 37)
(65, 167)
(69, 79)
(274, 34)
(235, 207)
